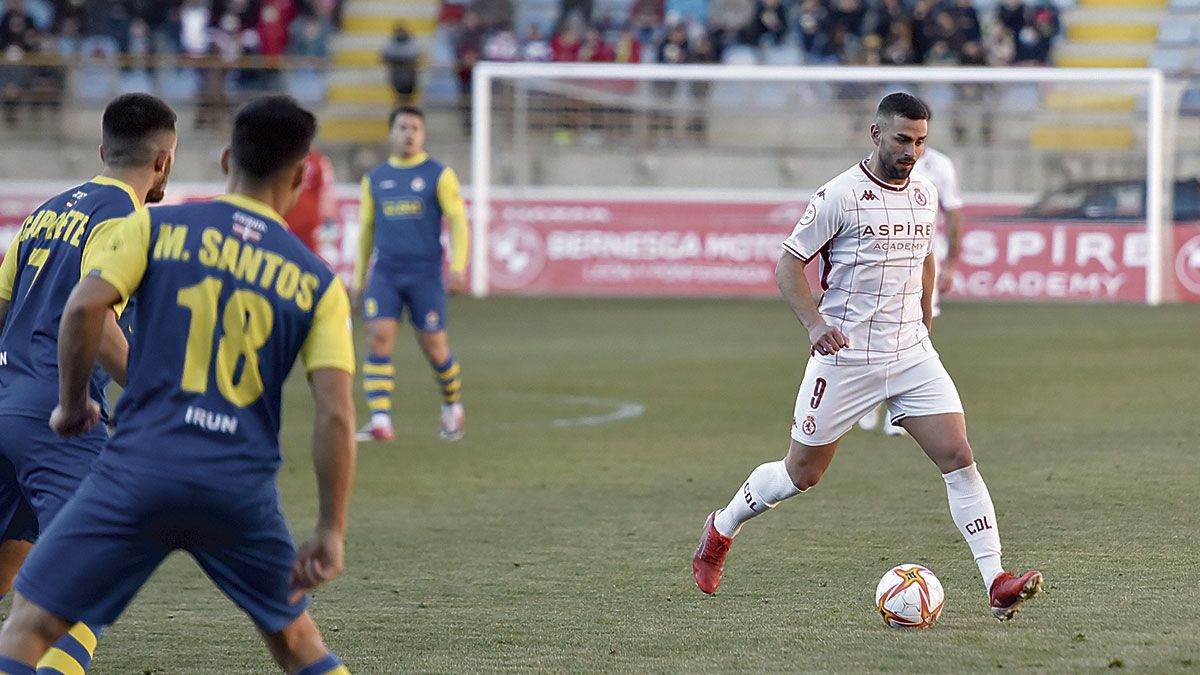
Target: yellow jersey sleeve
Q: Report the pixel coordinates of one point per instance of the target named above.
(8, 271)
(366, 233)
(330, 342)
(450, 198)
(118, 251)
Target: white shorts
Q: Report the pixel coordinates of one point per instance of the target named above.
(832, 398)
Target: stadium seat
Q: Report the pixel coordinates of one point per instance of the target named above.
(739, 55)
(783, 55)
(307, 86)
(1189, 104)
(1175, 33)
(1170, 61)
(179, 85)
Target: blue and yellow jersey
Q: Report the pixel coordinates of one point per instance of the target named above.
(38, 274)
(227, 299)
(400, 213)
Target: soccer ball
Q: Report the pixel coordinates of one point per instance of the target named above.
(909, 596)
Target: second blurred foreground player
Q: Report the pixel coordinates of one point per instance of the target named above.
(192, 464)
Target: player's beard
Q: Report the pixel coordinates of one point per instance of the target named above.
(893, 170)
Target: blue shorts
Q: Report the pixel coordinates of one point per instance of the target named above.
(39, 471)
(424, 295)
(109, 539)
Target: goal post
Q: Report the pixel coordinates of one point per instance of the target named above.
(580, 136)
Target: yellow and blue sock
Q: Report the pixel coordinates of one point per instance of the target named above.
(73, 652)
(449, 377)
(379, 381)
(330, 665)
(14, 667)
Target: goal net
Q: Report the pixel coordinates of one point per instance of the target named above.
(604, 179)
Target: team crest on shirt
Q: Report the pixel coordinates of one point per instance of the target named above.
(431, 319)
(417, 184)
(809, 426)
(919, 197)
(810, 214)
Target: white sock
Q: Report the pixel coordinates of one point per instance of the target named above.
(973, 513)
(381, 419)
(767, 485)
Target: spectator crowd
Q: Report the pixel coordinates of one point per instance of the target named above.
(37, 37)
(852, 32)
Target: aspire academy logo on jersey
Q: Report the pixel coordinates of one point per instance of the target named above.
(868, 196)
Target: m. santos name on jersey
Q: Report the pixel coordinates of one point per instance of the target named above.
(68, 226)
(267, 269)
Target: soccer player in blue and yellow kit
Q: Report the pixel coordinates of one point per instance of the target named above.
(404, 201)
(40, 470)
(227, 300)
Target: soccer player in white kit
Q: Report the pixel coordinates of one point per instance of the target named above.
(939, 170)
(871, 228)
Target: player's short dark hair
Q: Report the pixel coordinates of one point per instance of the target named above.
(271, 133)
(900, 104)
(128, 127)
(405, 110)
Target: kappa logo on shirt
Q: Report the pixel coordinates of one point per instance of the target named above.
(868, 196)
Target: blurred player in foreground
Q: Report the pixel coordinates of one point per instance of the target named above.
(227, 301)
(940, 171)
(872, 228)
(40, 470)
(404, 201)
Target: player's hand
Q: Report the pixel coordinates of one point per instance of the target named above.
(827, 340)
(457, 282)
(319, 560)
(69, 421)
(946, 278)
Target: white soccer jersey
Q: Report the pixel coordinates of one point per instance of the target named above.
(872, 239)
(941, 172)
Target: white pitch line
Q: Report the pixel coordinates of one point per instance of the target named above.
(621, 410)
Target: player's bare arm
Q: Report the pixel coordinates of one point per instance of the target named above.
(320, 559)
(3, 312)
(79, 338)
(928, 279)
(789, 276)
(954, 222)
(114, 350)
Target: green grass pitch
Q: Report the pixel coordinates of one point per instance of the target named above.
(534, 545)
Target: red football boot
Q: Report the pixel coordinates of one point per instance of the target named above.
(709, 561)
(1009, 592)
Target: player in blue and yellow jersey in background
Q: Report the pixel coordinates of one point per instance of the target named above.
(39, 470)
(404, 201)
(227, 300)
